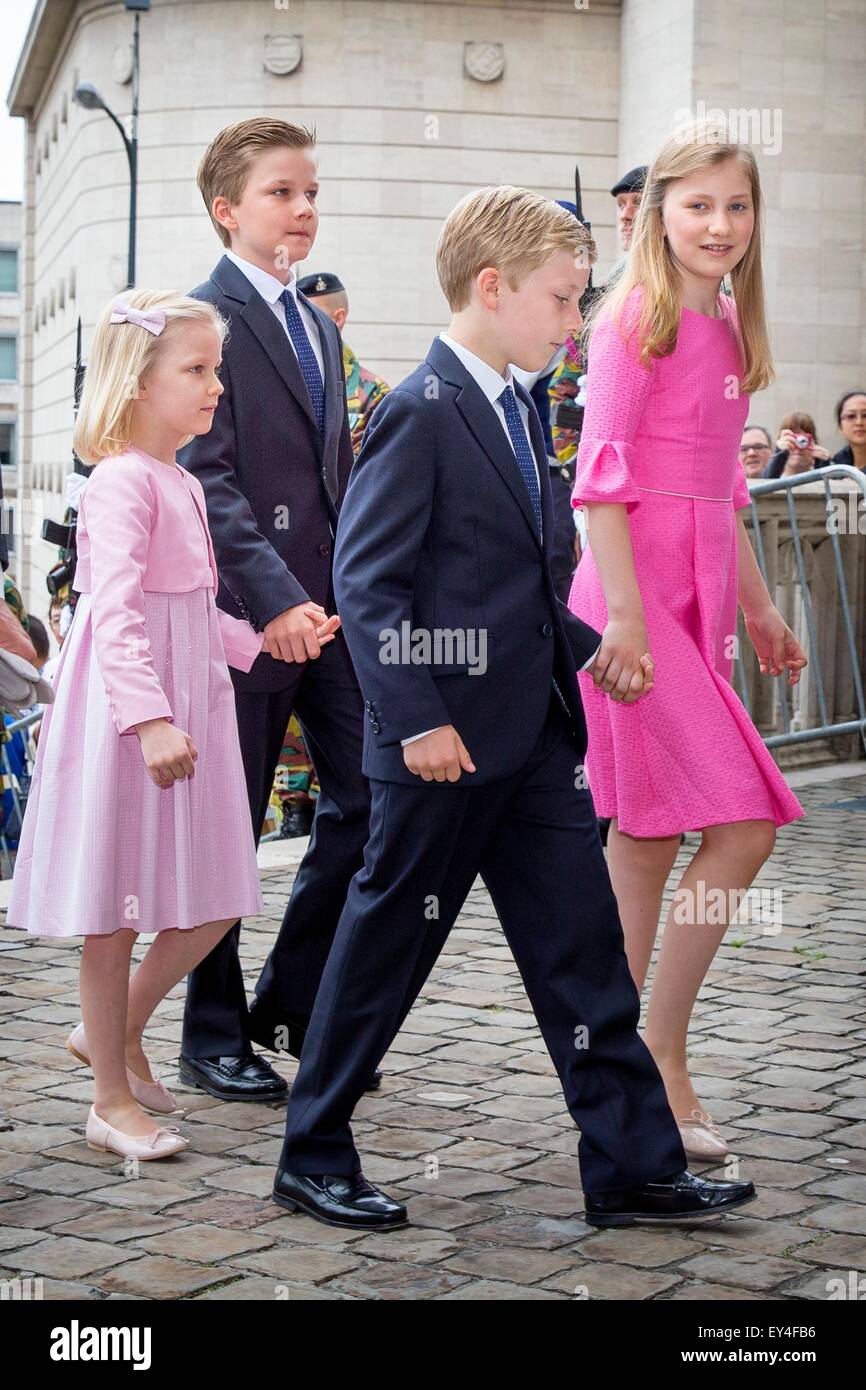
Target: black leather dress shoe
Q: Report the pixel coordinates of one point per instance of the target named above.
(263, 1027)
(682, 1197)
(233, 1078)
(338, 1200)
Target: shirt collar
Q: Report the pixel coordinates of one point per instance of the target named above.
(268, 286)
(491, 383)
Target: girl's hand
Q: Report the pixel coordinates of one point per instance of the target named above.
(169, 754)
(819, 453)
(776, 646)
(623, 667)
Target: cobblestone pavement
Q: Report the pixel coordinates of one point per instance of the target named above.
(470, 1127)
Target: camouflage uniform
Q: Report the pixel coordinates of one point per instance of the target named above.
(364, 391)
(562, 390)
(295, 780)
(13, 597)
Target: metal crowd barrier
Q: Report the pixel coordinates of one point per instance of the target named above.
(788, 485)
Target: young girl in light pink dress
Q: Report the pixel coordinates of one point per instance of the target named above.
(672, 362)
(137, 819)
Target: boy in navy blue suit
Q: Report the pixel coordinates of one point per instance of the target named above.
(474, 741)
(274, 469)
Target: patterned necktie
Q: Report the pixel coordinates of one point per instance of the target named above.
(306, 357)
(522, 450)
(526, 463)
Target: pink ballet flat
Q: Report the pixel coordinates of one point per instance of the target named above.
(160, 1143)
(701, 1137)
(150, 1094)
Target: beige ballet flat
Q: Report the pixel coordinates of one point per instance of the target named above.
(152, 1095)
(160, 1143)
(700, 1137)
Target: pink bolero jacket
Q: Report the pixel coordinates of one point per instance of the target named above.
(137, 532)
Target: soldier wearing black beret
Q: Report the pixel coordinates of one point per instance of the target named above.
(364, 389)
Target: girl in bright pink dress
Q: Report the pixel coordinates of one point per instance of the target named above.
(137, 819)
(672, 362)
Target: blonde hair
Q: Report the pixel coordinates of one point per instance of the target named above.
(511, 229)
(225, 164)
(699, 146)
(120, 355)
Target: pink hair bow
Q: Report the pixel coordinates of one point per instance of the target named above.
(153, 321)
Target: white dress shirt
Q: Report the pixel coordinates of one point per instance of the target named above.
(492, 384)
(270, 289)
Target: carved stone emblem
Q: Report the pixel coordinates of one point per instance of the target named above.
(121, 63)
(483, 61)
(283, 53)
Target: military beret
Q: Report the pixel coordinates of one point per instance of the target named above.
(632, 182)
(323, 283)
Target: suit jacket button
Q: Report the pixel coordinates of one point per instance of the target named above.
(376, 726)
(324, 549)
(368, 704)
(547, 629)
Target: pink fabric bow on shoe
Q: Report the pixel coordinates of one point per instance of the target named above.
(701, 1137)
(160, 1143)
(154, 1138)
(153, 319)
(151, 1094)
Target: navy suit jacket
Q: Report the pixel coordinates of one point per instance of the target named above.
(437, 531)
(273, 483)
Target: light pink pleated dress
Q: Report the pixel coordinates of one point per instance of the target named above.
(664, 441)
(102, 846)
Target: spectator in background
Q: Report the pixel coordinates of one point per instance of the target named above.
(851, 419)
(14, 622)
(38, 634)
(32, 645)
(564, 399)
(55, 614)
(792, 454)
(55, 622)
(44, 662)
(565, 383)
(756, 447)
(627, 193)
(364, 389)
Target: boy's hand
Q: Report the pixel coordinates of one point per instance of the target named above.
(623, 667)
(440, 756)
(300, 633)
(169, 754)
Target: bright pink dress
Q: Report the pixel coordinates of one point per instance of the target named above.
(664, 441)
(102, 846)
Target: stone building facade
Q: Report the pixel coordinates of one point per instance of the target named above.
(415, 103)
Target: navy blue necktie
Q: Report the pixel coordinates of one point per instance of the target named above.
(526, 463)
(306, 357)
(522, 450)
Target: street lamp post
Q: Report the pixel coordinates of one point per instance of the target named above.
(91, 99)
